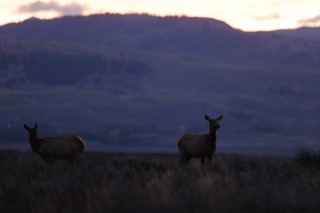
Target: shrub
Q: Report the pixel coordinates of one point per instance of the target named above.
(308, 158)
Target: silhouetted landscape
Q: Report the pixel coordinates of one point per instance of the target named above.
(138, 82)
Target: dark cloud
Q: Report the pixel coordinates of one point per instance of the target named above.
(39, 6)
(310, 21)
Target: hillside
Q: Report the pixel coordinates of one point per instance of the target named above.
(168, 34)
(308, 33)
(137, 82)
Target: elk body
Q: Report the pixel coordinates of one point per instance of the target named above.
(55, 148)
(199, 146)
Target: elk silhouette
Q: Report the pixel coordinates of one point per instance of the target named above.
(199, 146)
(55, 148)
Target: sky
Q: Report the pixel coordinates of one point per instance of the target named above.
(247, 15)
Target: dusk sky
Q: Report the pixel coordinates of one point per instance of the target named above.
(248, 15)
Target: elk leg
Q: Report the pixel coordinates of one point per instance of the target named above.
(181, 160)
(209, 160)
(187, 159)
(48, 160)
(202, 161)
(184, 159)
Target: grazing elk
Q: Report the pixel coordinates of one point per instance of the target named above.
(55, 148)
(199, 146)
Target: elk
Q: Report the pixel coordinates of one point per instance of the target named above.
(55, 148)
(199, 146)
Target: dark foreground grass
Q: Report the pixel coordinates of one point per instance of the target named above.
(109, 182)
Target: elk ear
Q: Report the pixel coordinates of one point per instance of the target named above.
(219, 118)
(35, 126)
(206, 117)
(26, 127)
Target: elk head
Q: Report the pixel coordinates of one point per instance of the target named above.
(214, 123)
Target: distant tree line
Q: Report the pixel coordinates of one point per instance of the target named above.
(54, 69)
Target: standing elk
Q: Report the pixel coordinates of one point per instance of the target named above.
(199, 146)
(55, 148)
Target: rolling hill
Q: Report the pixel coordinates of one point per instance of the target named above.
(168, 34)
(137, 82)
(308, 33)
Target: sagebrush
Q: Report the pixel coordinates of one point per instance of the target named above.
(115, 182)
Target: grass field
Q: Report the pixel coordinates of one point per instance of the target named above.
(125, 182)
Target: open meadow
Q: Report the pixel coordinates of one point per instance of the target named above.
(133, 182)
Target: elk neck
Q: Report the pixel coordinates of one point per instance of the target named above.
(34, 142)
(212, 135)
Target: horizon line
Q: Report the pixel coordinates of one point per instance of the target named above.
(155, 15)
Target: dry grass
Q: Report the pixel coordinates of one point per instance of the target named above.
(110, 182)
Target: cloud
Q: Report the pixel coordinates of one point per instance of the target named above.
(268, 17)
(39, 6)
(311, 21)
